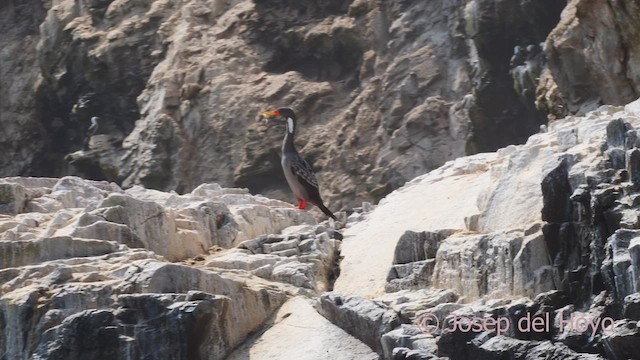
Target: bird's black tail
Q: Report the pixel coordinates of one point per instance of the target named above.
(327, 211)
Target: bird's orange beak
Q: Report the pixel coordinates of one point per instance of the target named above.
(271, 113)
(268, 115)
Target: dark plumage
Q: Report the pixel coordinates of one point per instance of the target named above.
(297, 171)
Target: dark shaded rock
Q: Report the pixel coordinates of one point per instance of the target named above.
(631, 140)
(88, 334)
(415, 275)
(158, 326)
(616, 133)
(501, 347)
(364, 319)
(23, 141)
(633, 165)
(554, 298)
(617, 157)
(408, 342)
(555, 194)
(408, 354)
(632, 306)
(416, 246)
(13, 199)
(496, 28)
(456, 345)
(623, 341)
(618, 263)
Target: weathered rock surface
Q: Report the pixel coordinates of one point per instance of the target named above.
(321, 339)
(541, 239)
(554, 220)
(400, 87)
(609, 73)
(385, 91)
(90, 270)
(22, 140)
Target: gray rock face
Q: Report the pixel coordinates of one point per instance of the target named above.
(604, 76)
(497, 28)
(22, 140)
(364, 319)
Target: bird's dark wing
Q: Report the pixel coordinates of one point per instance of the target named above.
(306, 177)
(304, 173)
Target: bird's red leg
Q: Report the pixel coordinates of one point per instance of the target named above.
(302, 204)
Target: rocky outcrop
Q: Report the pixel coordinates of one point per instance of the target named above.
(189, 114)
(392, 86)
(509, 62)
(531, 251)
(89, 269)
(553, 220)
(609, 72)
(178, 86)
(22, 139)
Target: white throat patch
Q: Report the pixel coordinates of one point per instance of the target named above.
(290, 125)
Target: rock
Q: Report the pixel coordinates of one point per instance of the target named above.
(240, 260)
(406, 102)
(502, 347)
(125, 331)
(552, 220)
(23, 140)
(364, 319)
(632, 306)
(409, 304)
(623, 265)
(471, 265)
(414, 246)
(97, 250)
(555, 192)
(495, 36)
(633, 165)
(322, 338)
(28, 252)
(408, 342)
(588, 86)
(12, 198)
(622, 340)
(415, 275)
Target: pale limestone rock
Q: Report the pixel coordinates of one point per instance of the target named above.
(102, 253)
(241, 260)
(27, 252)
(502, 264)
(303, 255)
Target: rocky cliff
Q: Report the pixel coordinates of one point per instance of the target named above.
(528, 252)
(385, 91)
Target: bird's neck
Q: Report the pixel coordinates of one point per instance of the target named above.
(287, 144)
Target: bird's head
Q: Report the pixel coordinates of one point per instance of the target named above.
(281, 115)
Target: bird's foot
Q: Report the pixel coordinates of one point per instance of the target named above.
(302, 204)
